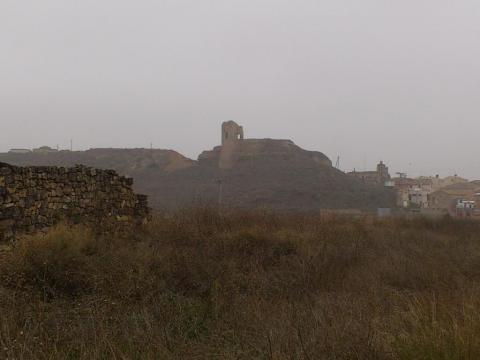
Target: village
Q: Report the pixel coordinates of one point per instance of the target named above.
(431, 196)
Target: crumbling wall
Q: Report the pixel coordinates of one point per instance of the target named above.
(35, 198)
(231, 132)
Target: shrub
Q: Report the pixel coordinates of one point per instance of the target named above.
(204, 284)
(54, 264)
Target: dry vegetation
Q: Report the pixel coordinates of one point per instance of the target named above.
(201, 285)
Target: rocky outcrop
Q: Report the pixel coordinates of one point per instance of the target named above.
(35, 198)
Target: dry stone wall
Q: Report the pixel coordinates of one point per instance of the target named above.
(35, 198)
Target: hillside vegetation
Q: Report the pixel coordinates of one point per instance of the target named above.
(246, 285)
(284, 178)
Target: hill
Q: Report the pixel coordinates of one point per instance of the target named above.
(262, 173)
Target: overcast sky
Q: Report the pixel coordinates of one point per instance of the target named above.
(366, 80)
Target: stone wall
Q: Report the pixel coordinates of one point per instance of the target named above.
(35, 198)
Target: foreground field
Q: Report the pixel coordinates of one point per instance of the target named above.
(200, 285)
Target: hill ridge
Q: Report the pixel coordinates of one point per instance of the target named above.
(265, 173)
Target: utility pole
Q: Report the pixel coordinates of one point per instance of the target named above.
(220, 192)
(71, 144)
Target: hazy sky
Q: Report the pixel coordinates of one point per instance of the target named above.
(366, 80)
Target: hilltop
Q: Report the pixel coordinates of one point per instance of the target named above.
(126, 161)
(243, 173)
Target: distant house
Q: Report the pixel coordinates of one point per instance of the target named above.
(44, 150)
(403, 186)
(426, 191)
(465, 208)
(20, 151)
(380, 177)
(418, 197)
(436, 183)
(449, 197)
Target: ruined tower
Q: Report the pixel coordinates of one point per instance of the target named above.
(382, 171)
(231, 132)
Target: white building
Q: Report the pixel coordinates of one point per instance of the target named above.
(465, 208)
(418, 197)
(20, 151)
(44, 150)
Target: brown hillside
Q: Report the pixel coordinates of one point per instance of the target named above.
(266, 173)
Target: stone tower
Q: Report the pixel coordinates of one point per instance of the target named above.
(382, 171)
(231, 132)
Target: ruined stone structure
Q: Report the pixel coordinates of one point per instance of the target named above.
(235, 148)
(373, 178)
(231, 132)
(244, 173)
(35, 198)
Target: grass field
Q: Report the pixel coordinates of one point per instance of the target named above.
(246, 285)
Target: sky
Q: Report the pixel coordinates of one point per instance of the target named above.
(369, 80)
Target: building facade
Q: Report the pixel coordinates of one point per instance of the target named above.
(20, 151)
(380, 177)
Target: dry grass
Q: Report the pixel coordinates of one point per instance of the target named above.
(251, 285)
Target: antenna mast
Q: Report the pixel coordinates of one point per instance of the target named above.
(337, 164)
